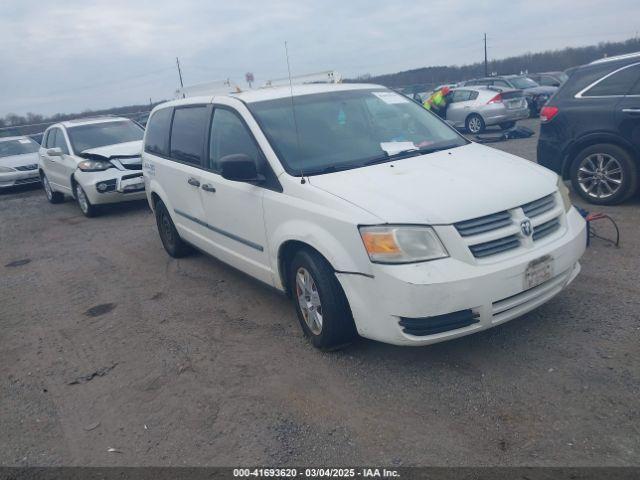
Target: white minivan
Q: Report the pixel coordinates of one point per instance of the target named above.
(377, 217)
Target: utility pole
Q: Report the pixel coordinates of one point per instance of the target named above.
(180, 72)
(486, 69)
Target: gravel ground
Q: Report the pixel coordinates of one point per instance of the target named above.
(107, 343)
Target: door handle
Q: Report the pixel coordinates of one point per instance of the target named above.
(208, 188)
(193, 181)
(632, 111)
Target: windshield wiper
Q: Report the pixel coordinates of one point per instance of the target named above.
(330, 169)
(410, 152)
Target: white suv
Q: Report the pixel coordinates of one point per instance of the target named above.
(371, 212)
(95, 160)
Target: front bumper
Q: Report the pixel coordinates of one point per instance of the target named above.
(118, 185)
(493, 291)
(11, 179)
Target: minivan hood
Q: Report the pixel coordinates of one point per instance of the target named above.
(442, 187)
(127, 149)
(19, 160)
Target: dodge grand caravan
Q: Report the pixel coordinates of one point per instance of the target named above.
(374, 215)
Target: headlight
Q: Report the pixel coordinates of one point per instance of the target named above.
(6, 170)
(401, 244)
(564, 193)
(94, 165)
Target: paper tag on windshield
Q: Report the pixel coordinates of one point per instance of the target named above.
(391, 97)
(396, 147)
(24, 140)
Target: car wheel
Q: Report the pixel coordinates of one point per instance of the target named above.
(84, 203)
(173, 244)
(52, 196)
(474, 124)
(604, 174)
(321, 305)
(507, 125)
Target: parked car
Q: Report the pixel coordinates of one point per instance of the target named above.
(590, 130)
(18, 161)
(535, 94)
(94, 160)
(475, 108)
(549, 79)
(376, 216)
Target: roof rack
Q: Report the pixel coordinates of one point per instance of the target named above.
(615, 57)
(218, 87)
(329, 76)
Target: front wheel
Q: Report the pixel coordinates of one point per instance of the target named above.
(52, 196)
(85, 205)
(604, 174)
(474, 124)
(321, 305)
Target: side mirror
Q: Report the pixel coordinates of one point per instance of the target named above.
(240, 168)
(54, 152)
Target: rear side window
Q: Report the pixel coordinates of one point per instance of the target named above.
(187, 134)
(620, 83)
(157, 136)
(461, 96)
(229, 136)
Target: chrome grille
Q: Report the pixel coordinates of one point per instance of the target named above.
(483, 224)
(547, 228)
(25, 168)
(495, 246)
(538, 207)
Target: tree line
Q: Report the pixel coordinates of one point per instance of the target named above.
(548, 61)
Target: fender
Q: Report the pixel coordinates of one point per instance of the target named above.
(590, 139)
(342, 254)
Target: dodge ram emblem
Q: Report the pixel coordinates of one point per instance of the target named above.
(526, 228)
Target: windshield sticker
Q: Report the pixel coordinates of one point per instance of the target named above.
(391, 97)
(391, 148)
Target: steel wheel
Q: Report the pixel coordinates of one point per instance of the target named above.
(82, 200)
(600, 175)
(309, 300)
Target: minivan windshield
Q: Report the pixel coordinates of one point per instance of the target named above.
(350, 129)
(85, 137)
(19, 146)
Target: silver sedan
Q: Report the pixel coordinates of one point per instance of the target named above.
(18, 161)
(475, 108)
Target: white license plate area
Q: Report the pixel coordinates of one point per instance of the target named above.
(513, 104)
(131, 184)
(538, 271)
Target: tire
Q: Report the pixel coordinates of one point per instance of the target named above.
(52, 195)
(171, 241)
(310, 272)
(507, 125)
(604, 174)
(85, 205)
(474, 124)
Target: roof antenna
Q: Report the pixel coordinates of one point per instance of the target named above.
(293, 109)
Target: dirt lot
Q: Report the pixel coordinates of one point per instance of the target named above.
(196, 364)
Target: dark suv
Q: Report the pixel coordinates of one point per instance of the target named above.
(590, 130)
(535, 94)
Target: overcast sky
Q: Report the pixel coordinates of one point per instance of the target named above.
(72, 55)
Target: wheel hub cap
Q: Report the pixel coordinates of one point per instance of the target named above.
(309, 300)
(600, 175)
